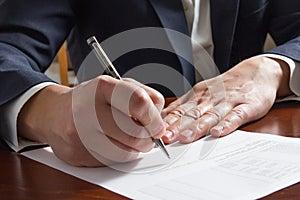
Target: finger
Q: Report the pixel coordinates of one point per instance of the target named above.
(123, 146)
(124, 129)
(194, 127)
(173, 121)
(101, 147)
(198, 95)
(156, 97)
(238, 116)
(179, 122)
(178, 112)
(144, 111)
(133, 101)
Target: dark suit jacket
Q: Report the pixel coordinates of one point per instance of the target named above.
(32, 31)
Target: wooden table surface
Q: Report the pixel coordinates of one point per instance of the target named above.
(22, 178)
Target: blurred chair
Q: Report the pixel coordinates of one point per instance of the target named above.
(64, 64)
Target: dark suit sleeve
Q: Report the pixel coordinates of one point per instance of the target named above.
(31, 33)
(285, 28)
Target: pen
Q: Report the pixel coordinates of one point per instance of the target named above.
(111, 70)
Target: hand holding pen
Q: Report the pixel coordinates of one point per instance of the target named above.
(111, 70)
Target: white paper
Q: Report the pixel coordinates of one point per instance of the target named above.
(242, 165)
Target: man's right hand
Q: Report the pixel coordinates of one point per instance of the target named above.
(99, 121)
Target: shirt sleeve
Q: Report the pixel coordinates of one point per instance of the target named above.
(9, 114)
(294, 76)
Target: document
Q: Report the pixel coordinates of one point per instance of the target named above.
(242, 165)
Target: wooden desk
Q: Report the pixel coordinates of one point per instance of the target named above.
(22, 178)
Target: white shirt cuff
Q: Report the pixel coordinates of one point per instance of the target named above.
(9, 114)
(294, 76)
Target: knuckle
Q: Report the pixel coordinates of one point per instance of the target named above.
(129, 80)
(140, 106)
(178, 111)
(214, 114)
(139, 97)
(103, 80)
(240, 114)
(194, 113)
(158, 99)
(157, 95)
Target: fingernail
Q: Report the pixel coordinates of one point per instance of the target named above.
(187, 133)
(217, 130)
(169, 134)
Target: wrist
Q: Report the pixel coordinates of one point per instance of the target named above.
(282, 71)
(39, 111)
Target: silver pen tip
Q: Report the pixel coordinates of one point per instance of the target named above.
(168, 155)
(162, 146)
